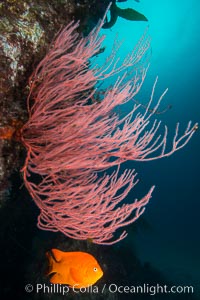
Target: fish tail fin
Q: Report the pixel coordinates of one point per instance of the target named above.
(54, 256)
(57, 254)
(51, 262)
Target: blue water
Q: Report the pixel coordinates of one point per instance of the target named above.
(173, 243)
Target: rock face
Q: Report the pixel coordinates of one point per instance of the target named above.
(26, 31)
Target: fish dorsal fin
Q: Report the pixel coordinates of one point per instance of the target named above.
(57, 254)
(75, 274)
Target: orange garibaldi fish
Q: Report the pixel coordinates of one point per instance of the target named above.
(77, 269)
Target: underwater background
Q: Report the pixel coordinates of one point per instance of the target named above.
(172, 241)
(163, 246)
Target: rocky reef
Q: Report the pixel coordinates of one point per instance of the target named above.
(26, 31)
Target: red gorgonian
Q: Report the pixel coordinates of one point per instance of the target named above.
(71, 140)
